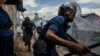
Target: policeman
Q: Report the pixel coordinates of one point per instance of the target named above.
(53, 33)
(6, 35)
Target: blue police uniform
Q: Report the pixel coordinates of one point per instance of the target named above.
(6, 35)
(57, 25)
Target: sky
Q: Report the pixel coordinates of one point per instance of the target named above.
(49, 8)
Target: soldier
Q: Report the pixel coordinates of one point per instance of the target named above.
(27, 27)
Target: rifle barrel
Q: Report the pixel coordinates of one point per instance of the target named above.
(94, 45)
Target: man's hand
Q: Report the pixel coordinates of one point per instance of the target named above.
(77, 48)
(80, 49)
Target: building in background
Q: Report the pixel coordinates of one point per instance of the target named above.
(94, 20)
(91, 17)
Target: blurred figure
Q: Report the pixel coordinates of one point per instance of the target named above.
(74, 30)
(41, 24)
(40, 27)
(6, 35)
(27, 27)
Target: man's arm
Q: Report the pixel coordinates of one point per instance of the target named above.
(78, 48)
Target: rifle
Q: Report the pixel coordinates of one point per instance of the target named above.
(72, 39)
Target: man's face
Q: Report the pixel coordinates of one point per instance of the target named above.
(2, 1)
(70, 14)
(27, 20)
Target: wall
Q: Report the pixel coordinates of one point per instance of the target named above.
(11, 10)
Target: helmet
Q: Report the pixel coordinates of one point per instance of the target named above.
(27, 19)
(67, 6)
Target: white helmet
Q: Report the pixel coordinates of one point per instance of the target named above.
(67, 6)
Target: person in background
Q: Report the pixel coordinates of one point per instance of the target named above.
(53, 33)
(6, 34)
(27, 27)
(74, 30)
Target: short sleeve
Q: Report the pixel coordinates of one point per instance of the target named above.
(57, 22)
(54, 27)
